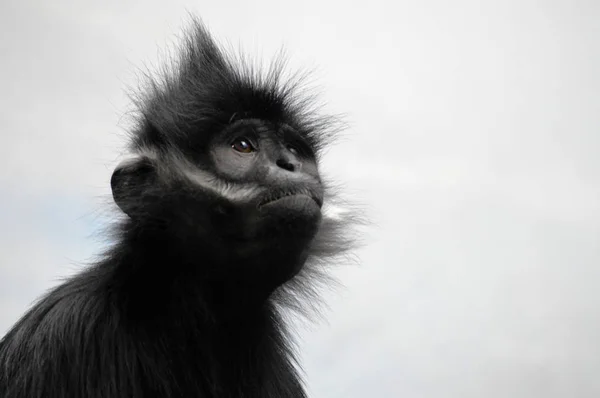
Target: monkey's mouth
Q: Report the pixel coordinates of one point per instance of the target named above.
(275, 196)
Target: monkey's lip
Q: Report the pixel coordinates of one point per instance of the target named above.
(275, 197)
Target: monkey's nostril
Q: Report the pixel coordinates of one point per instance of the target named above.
(285, 164)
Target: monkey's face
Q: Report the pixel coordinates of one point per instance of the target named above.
(277, 164)
(252, 195)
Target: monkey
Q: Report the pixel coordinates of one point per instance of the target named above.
(223, 228)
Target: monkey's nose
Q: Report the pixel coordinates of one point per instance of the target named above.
(288, 164)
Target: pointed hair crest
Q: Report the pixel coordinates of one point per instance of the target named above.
(205, 88)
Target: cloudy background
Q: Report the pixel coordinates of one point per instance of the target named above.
(474, 140)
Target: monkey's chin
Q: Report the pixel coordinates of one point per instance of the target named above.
(293, 205)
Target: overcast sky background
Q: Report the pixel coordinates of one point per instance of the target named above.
(474, 140)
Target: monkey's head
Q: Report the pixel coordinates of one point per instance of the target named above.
(225, 170)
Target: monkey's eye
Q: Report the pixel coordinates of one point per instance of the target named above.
(293, 150)
(243, 145)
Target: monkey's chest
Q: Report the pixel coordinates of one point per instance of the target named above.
(209, 369)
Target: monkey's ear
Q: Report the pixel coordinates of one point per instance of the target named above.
(129, 183)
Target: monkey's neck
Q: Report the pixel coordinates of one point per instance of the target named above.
(186, 319)
(151, 278)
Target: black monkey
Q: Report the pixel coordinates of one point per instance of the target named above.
(225, 226)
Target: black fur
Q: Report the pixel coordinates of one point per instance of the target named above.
(168, 311)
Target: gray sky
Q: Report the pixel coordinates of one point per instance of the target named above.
(474, 140)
